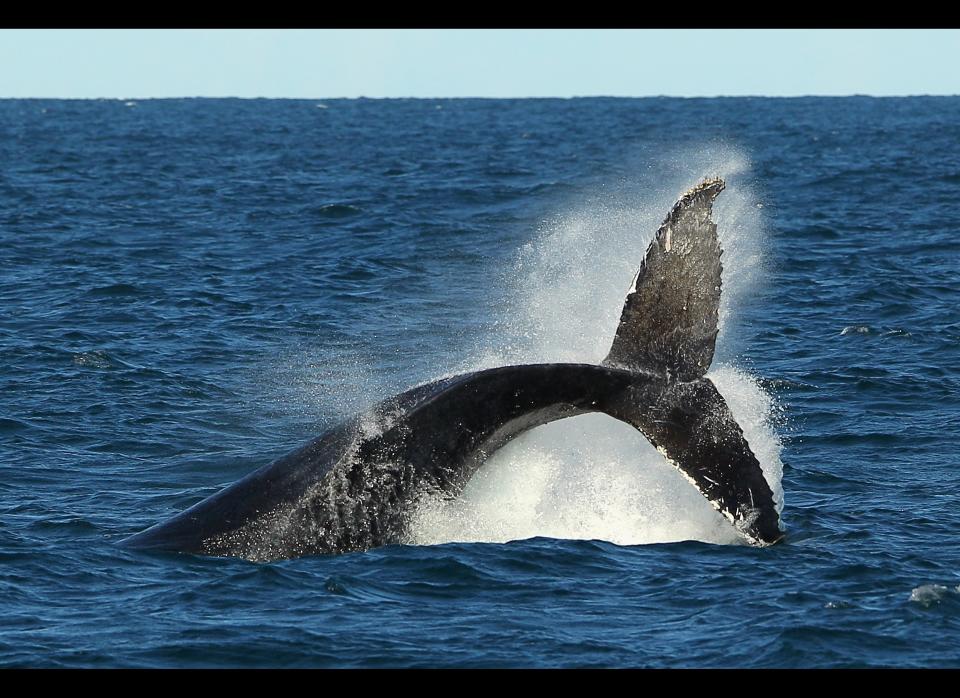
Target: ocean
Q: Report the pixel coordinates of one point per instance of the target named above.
(191, 288)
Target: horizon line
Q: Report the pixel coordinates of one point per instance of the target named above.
(487, 97)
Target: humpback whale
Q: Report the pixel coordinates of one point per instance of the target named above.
(357, 486)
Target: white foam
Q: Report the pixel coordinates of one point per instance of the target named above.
(592, 477)
(929, 594)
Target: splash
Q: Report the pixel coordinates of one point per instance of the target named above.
(328, 386)
(928, 595)
(592, 477)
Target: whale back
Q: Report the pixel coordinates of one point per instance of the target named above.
(356, 486)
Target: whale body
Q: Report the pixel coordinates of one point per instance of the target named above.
(358, 485)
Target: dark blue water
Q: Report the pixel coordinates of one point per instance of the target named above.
(191, 288)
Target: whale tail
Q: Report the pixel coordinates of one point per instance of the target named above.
(353, 488)
(668, 328)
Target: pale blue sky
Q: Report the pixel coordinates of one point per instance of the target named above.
(475, 63)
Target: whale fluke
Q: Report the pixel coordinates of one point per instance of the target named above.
(692, 426)
(669, 320)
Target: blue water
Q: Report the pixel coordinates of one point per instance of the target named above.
(191, 288)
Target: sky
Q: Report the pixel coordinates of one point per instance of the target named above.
(329, 63)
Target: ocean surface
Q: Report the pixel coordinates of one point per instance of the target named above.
(191, 288)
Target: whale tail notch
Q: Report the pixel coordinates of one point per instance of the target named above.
(668, 325)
